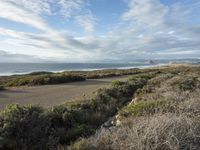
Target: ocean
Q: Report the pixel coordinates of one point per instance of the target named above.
(24, 68)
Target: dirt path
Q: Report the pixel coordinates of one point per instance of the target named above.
(50, 95)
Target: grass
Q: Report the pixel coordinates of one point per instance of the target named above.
(157, 132)
(23, 126)
(117, 83)
(145, 75)
(44, 78)
(145, 108)
(164, 114)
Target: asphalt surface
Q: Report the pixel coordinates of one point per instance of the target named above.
(50, 95)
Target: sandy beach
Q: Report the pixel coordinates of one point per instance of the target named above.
(50, 95)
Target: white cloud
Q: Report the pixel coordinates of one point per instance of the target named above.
(33, 6)
(15, 13)
(66, 8)
(69, 7)
(12, 57)
(49, 43)
(157, 23)
(148, 29)
(146, 12)
(87, 21)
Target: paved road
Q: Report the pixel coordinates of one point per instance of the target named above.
(50, 95)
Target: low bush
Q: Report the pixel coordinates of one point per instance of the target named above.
(30, 127)
(17, 82)
(117, 83)
(25, 128)
(164, 119)
(156, 132)
(164, 115)
(184, 82)
(145, 108)
(40, 73)
(142, 76)
(43, 80)
(2, 87)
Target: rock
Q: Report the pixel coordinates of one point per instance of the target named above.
(150, 62)
(117, 122)
(135, 100)
(109, 123)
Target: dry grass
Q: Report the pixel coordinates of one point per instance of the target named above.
(166, 132)
(177, 130)
(164, 115)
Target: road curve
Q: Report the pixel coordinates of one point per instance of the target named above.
(50, 95)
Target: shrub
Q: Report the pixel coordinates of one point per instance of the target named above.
(157, 132)
(2, 87)
(142, 76)
(43, 80)
(30, 127)
(147, 108)
(40, 73)
(81, 144)
(189, 84)
(24, 128)
(117, 83)
(184, 83)
(55, 79)
(166, 117)
(82, 130)
(17, 82)
(37, 80)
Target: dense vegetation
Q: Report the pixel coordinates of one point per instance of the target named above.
(32, 80)
(44, 78)
(163, 114)
(2, 87)
(31, 127)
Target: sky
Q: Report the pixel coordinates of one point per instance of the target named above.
(98, 30)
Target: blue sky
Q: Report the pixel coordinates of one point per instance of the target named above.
(98, 30)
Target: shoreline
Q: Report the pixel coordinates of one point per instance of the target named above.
(84, 70)
(56, 94)
(98, 69)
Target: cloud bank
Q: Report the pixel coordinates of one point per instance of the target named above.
(146, 29)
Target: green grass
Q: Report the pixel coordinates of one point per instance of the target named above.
(145, 108)
(117, 83)
(185, 82)
(143, 76)
(43, 80)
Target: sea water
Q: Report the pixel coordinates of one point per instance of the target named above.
(24, 68)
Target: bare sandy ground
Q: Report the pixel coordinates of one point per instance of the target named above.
(50, 95)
